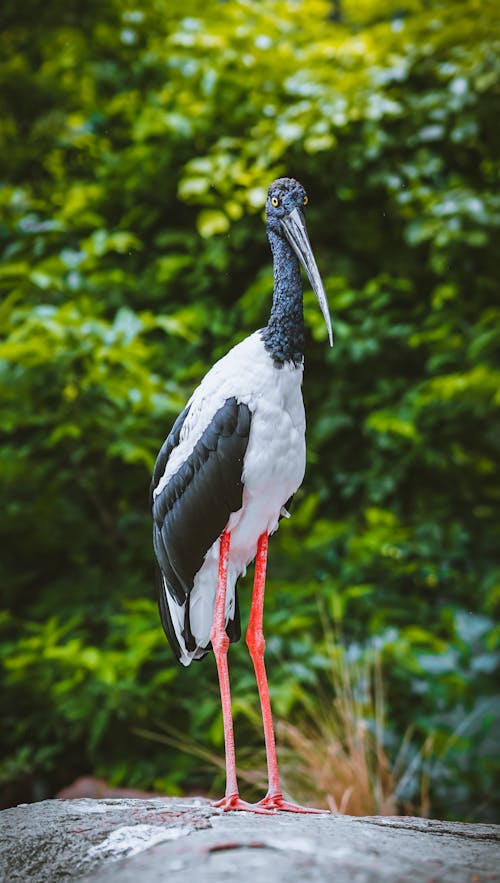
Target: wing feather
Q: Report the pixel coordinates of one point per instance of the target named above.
(194, 506)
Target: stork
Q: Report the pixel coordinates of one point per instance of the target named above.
(225, 476)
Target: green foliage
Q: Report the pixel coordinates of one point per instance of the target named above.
(136, 146)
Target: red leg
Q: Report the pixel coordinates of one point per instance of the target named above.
(220, 645)
(256, 644)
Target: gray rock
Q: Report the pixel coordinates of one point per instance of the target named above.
(130, 840)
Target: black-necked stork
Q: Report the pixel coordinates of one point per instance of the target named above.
(225, 475)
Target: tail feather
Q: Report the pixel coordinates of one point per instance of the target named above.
(187, 626)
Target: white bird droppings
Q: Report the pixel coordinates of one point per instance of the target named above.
(132, 839)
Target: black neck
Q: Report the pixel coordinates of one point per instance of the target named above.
(283, 335)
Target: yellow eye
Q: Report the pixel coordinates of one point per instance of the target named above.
(275, 201)
(305, 200)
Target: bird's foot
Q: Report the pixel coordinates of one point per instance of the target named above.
(233, 803)
(277, 803)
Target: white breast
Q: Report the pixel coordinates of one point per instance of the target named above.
(274, 462)
(275, 399)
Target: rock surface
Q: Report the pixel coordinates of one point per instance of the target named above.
(105, 841)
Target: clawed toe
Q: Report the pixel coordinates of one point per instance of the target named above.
(234, 803)
(277, 803)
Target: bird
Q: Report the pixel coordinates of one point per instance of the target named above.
(226, 475)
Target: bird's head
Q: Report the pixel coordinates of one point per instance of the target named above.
(286, 200)
(284, 195)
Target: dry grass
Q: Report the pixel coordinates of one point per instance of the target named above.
(335, 757)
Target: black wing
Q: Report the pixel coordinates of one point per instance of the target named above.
(193, 508)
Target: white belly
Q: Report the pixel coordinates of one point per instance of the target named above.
(273, 467)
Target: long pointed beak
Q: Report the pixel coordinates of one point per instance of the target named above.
(294, 226)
